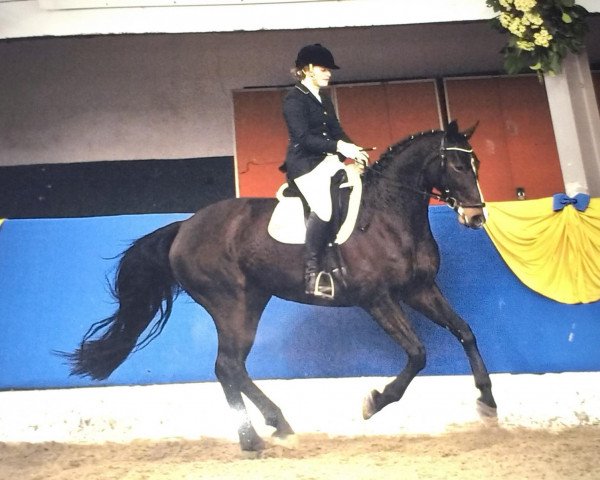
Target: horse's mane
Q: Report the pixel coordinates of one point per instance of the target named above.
(396, 149)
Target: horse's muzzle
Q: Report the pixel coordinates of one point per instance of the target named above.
(471, 217)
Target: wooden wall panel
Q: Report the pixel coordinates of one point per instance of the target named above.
(381, 115)
(260, 141)
(362, 110)
(413, 107)
(482, 104)
(515, 140)
(373, 115)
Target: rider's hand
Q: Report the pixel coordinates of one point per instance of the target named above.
(354, 152)
(357, 167)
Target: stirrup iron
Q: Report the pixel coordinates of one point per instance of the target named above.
(324, 286)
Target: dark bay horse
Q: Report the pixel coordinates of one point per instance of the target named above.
(226, 261)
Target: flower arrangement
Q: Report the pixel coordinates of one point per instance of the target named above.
(542, 32)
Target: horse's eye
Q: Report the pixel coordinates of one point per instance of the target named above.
(460, 167)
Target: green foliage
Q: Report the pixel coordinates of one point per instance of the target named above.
(541, 33)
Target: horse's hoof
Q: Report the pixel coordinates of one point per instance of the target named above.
(283, 430)
(486, 413)
(368, 407)
(254, 444)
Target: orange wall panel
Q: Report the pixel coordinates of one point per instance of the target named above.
(260, 141)
(413, 107)
(362, 110)
(469, 104)
(373, 115)
(514, 140)
(381, 115)
(532, 147)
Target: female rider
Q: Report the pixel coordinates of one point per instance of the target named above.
(316, 150)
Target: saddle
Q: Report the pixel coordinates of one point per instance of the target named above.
(287, 224)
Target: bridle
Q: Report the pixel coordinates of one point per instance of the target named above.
(445, 194)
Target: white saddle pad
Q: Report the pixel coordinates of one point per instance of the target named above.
(287, 222)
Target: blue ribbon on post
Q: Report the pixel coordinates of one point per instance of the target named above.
(579, 201)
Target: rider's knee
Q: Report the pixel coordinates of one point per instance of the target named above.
(339, 178)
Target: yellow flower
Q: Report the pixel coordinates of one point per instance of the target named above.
(525, 45)
(505, 19)
(542, 38)
(524, 5)
(537, 41)
(533, 18)
(516, 27)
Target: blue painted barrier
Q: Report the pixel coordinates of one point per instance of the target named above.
(53, 286)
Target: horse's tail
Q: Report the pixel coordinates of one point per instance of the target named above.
(145, 290)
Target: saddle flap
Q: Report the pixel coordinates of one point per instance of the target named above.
(287, 224)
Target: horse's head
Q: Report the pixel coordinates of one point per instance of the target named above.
(457, 176)
(421, 163)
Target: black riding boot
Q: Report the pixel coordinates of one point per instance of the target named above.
(317, 236)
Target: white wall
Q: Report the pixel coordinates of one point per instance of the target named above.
(431, 405)
(29, 18)
(116, 97)
(169, 96)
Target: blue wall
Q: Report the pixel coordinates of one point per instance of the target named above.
(53, 286)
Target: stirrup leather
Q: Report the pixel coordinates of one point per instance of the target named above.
(324, 286)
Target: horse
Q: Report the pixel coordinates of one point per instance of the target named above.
(225, 260)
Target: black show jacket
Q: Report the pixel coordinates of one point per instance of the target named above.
(313, 128)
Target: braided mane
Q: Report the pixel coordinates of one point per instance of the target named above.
(396, 149)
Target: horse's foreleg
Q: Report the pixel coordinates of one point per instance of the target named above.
(432, 304)
(393, 320)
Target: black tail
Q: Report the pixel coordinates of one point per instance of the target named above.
(144, 288)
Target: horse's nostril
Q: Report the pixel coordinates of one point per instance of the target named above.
(477, 221)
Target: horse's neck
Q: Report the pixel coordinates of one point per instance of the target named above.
(400, 185)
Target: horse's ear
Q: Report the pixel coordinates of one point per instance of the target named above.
(468, 133)
(452, 128)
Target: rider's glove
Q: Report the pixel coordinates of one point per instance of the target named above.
(354, 152)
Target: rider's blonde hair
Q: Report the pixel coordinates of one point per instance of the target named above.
(301, 73)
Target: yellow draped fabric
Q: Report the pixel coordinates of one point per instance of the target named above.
(557, 254)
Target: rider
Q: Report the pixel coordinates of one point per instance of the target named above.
(316, 150)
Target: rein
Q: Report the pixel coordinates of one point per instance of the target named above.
(396, 183)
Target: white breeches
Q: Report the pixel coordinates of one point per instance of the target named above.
(316, 186)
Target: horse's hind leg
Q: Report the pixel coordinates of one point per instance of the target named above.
(237, 320)
(432, 303)
(393, 320)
